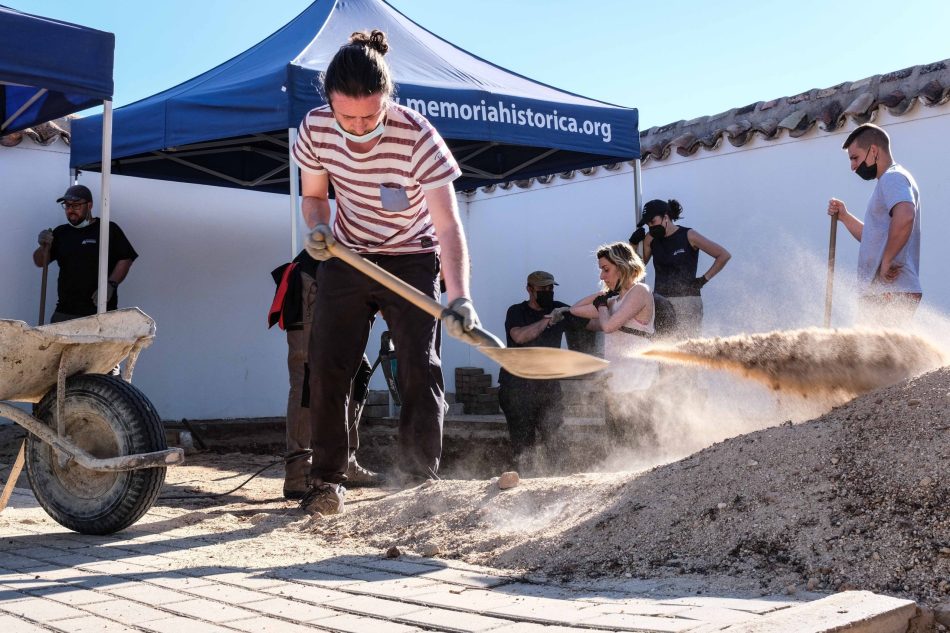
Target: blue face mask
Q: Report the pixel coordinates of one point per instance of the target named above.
(369, 136)
(82, 224)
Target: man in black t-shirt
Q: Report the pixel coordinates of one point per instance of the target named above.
(75, 247)
(532, 407)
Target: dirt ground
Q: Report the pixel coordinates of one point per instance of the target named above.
(855, 498)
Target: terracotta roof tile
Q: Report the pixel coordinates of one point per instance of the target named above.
(829, 108)
(42, 134)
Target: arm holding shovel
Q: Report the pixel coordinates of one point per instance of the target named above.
(443, 209)
(838, 209)
(315, 208)
(42, 252)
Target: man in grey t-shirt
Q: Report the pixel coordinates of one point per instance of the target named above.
(889, 256)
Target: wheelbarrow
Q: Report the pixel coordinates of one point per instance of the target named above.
(96, 453)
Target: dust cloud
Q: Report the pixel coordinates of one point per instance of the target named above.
(779, 377)
(812, 362)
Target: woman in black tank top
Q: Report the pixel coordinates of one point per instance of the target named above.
(675, 253)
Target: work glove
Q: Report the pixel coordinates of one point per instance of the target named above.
(600, 301)
(462, 319)
(638, 236)
(700, 281)
(317, 242)
(110, 292)
(558, 314)
(45, 238)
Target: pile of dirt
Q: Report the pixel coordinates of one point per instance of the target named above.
(857, 498)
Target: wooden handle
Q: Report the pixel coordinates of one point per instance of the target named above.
(407, 292)
(14, 475)
(829, 285)
(387, 279)
(42, 318)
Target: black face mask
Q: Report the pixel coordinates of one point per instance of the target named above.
(545, 299)
(865, 171)
(657, 232)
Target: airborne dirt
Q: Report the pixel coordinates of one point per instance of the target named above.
(812, 361)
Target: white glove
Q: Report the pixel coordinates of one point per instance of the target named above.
(110, 292)
(460, 323)
(320, 237)
(45, 238)
(557, 314)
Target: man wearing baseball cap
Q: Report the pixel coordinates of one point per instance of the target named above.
(74, 246)
(532, 408)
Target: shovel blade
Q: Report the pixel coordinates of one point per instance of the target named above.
(546, 363)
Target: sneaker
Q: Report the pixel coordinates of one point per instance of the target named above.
(357, 476)
(323, 498)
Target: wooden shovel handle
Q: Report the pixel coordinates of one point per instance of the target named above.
(407, 292)
(829, 285)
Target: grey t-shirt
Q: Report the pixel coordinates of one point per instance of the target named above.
(895, 185)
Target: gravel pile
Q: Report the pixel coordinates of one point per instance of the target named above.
(857, 498)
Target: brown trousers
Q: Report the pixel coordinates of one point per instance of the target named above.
(297, 472)
(298, 415)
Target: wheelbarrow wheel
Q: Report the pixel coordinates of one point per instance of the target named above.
(106, 417)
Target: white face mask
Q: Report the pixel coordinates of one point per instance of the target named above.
(369, 136)
(82, 224)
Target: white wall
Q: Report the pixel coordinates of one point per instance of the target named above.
(206, 252)
(32, 177)
(765, 202)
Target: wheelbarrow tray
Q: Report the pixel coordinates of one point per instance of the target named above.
(30, 357)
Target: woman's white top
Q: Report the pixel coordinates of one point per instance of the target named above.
(628, 371)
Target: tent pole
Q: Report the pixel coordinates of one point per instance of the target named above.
(104, 199)
(637, 192)
(294, 191)
(637, 200)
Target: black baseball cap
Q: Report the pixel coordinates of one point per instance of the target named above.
(75, 194)
(652, 209)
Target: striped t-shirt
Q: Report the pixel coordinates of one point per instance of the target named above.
(380, 206)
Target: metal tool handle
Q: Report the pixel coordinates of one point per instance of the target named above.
(407, 292)
(829, 285)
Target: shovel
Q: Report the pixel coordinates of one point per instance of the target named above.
(525, 362)
(829, 284)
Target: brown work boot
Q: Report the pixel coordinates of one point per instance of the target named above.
(357, 476)
(323, 498)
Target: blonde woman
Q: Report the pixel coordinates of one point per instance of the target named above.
(624, 312)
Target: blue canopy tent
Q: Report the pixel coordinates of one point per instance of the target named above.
(49, 69)
(232, 125)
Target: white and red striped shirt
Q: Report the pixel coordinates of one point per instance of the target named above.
(409, 158)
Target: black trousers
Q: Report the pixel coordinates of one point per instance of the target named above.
(347, 302)
(532, 408)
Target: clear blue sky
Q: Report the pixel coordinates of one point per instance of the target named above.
(672, 59)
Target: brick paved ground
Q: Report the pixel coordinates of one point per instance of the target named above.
(163, 579)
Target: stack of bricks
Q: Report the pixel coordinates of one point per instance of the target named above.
(473, 389)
